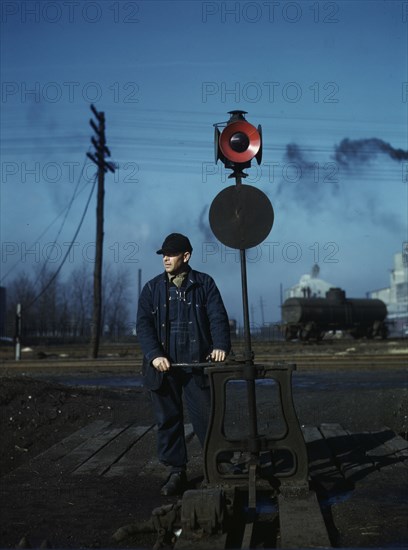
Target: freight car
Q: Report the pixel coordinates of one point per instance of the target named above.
(311, 318)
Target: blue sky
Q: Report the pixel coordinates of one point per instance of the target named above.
(311, 73)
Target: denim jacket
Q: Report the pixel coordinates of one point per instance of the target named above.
(208, 324)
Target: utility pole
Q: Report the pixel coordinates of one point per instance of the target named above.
(98, 157)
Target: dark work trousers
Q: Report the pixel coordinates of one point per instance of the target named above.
(168, 407)
(167, 401)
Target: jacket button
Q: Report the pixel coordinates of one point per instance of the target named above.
(163, 325)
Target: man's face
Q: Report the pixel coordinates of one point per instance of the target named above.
(176, 263)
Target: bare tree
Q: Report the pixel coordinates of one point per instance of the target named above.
(79, 290)
(21, 291)
(64, 313)
(55, 309)
(115, 313)
(46, 305)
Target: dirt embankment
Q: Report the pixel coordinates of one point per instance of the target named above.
(36, 414)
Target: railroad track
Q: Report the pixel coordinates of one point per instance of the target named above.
(343, 360)
(133, 363)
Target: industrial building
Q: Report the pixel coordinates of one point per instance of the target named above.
(309, 286)
(395, 296)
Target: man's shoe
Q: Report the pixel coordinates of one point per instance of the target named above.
(175, 484)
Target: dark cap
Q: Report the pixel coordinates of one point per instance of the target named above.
(175, 243)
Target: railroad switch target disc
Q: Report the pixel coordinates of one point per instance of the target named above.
(241, 216)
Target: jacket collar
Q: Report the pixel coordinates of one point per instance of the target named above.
(191, 278)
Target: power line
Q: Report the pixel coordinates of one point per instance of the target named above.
(68, 250)
(75, 195)
(67, 210)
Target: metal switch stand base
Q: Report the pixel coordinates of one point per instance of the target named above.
(290, 439)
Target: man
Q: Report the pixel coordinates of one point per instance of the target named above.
(181, 318)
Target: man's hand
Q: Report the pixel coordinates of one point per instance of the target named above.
(161, 364)
(218, 355)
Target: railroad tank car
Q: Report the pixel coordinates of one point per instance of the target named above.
(311, 318)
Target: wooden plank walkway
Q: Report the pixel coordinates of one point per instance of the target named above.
(337, 458)
(103, 449)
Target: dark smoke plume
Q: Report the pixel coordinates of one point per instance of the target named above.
(295, 155)
(354, 152)
(319, 182)
(306, 180)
